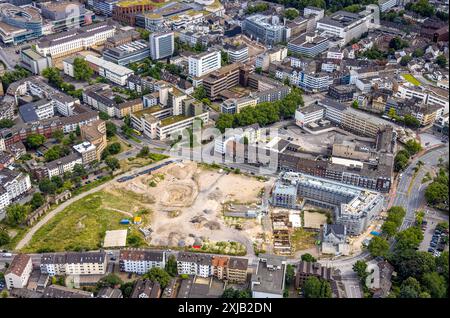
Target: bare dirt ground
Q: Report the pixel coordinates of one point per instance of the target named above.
(186, 202)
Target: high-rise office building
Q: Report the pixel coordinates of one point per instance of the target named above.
(161, 45)
(204, 63)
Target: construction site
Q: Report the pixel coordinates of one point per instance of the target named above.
(187, 201)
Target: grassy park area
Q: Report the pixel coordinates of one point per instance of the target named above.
(411, 79)
(83, 224)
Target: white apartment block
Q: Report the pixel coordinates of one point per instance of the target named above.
(2, 144)
(64, 104)
(141, 261)
(194, 264)
(18, 273)
(111, 71)
(64, 164)
(74, 263)
(4, 202)
(44, 109)
(204, 63)
(14, 183)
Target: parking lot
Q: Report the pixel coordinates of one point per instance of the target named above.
(434, 238)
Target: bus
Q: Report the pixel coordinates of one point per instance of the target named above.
(137, 132)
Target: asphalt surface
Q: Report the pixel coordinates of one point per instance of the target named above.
(411, 197)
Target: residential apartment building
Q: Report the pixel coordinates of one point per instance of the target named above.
(95, 133)
(276, 54)
(65, 104)
(87, 151)
(127, 108)
(18, 272)
(122, 36)
(65, 164)
(74, 263)
(146, 289)
(429, 95)
(75, 40)
(12, 185)
(56, 291)
(162, 45)
(101, 97)
(306, 270)
(314, 82)
(36, 111)
(269, 278)
(268, 90)
(194, 264)
(204, 63)
(141, 261)
(236, 272)
(232, 269)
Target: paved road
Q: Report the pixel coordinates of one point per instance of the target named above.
(413, 199)
(26, 239)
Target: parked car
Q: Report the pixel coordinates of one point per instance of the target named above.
(431, 250)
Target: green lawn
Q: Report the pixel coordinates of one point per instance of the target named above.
(411, 79)
(83, 224)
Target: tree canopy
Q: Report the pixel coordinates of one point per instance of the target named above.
(314, 287)
(158, 275)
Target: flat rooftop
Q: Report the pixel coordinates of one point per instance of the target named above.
(117, 69)
(341, 19)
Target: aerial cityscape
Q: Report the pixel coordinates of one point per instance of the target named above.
(224, 149)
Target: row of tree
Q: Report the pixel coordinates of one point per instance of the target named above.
(401, 159)
(264, 114)
(436, 193)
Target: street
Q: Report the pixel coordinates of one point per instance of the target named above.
(411, 196)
